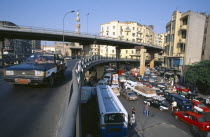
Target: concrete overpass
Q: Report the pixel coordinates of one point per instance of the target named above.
(32, 33)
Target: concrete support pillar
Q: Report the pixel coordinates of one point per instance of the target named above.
(100, 71)
(118, 53)
(152, 60)
(142, 60)
(1, 47)
(121, 66)
(132, 66)
(87, 50)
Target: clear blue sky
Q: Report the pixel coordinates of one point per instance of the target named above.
(49, 13)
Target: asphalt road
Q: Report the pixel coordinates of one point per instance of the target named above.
(158, 124)
(32, 111)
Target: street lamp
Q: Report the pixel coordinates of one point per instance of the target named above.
(63, 30)
(87, 22)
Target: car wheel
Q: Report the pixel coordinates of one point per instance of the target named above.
(161, 109)
(51, 81)
(176, 117)
(195, 127)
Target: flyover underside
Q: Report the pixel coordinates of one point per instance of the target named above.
(82, 39)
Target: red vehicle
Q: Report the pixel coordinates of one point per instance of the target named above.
(199, 107)
(182, 89)
(194, 119)
(147, 84)
(120, 72)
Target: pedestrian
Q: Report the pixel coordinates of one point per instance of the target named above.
(146, 109)
(174, 105)
(132, 120)
(133, 111)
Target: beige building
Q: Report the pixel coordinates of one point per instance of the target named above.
(206, 41)
(69, 48)
(184, 38)
(128, 31)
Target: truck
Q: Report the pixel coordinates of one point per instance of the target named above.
(144, 91)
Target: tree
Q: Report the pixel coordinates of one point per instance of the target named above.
(199, 75)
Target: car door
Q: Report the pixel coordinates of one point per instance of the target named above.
(184, 117)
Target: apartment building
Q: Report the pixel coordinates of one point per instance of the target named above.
(206, 41)
(184, 38)
(128, 31)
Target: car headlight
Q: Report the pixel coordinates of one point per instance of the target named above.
(9, 72)
(40, 73)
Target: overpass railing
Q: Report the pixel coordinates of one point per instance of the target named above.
(78, 72)
(66, 33)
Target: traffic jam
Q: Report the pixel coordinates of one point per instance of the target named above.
(160, 88)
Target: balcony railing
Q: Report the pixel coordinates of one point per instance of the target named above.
(183, 27)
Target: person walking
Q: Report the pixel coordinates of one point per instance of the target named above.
(146, 109)
(174, 105)
(133, 111)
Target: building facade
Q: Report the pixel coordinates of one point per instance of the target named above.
(71, 48)
(206, 41)
(16, 48)
(184, 38)
(128, 31)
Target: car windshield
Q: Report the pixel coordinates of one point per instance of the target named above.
(201, 119)
(187, 102)
(201, 105)
(106, 77)
(131, 94)
(41, 58)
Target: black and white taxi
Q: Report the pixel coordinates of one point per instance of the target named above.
(39, 68)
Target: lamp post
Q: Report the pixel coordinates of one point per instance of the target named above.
(87, 22)
(63, 30)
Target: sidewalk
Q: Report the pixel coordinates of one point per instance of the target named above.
(153, 127)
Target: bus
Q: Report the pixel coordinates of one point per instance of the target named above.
(113, 116)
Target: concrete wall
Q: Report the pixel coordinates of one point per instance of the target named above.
(195, 34)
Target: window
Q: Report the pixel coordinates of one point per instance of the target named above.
(184, 34)
(107, 33)
(133, 28)
(126, 51)
(113, 33)
(127, 33)
(112, 51)
(133, 34)
(184, 21)
(113, 27)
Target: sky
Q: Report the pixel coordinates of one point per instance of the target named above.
(50, 13)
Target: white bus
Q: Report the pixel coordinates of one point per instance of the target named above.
(113, 116)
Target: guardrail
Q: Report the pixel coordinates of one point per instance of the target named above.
(66, 33)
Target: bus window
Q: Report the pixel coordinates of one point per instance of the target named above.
(114, 118)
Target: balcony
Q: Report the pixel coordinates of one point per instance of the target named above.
(140, 32)
(183, 27)
(127, 29)
(182, 40)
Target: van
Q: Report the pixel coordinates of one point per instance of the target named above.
(108, 77)
(182, 103)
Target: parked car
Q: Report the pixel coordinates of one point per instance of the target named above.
(194, 119)
(39, 68)
(160, 103)
(129, 95)
(182, 89)
(199, 107)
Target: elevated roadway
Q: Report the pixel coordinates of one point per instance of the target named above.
(33, 33)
